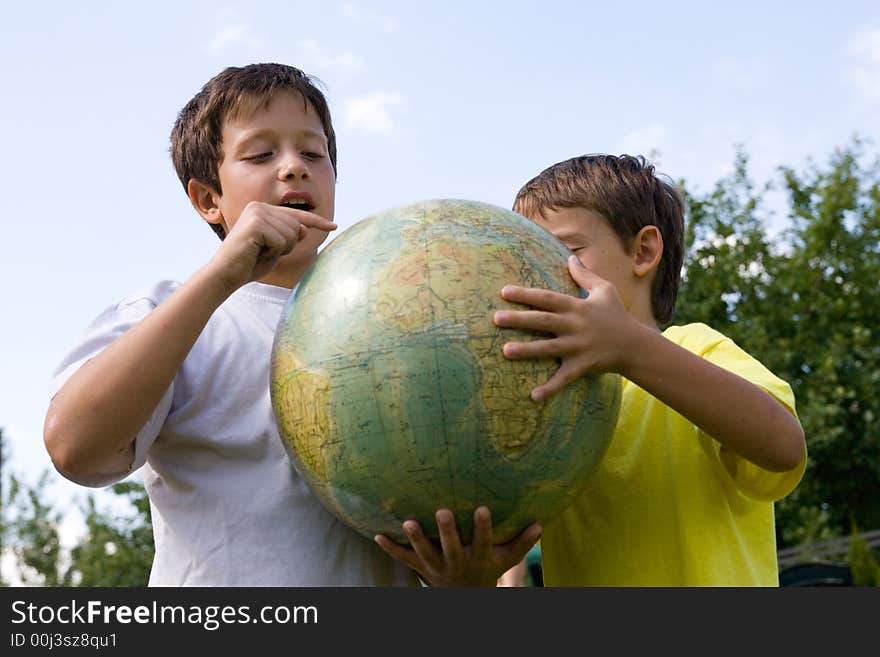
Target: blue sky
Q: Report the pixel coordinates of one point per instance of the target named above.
(457, 99)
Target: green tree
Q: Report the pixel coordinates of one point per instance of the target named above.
(836, 211)
(862, 562)
(33, 531)
(806, 305)
(116, 549)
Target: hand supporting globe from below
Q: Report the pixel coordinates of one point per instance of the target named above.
(390, 389)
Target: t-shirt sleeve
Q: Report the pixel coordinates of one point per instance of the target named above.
(752, 480)
(106, 328)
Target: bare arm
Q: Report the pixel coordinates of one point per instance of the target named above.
(597, 334)
(95, 416)
(738, 414)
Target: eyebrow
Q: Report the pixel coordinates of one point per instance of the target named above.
(263, 133)
(568, 234)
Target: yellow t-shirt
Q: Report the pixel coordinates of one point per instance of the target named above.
(665, 507)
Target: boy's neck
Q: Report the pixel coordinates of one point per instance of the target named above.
(644, 313)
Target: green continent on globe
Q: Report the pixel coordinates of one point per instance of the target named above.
(390, 390)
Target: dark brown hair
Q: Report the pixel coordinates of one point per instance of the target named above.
(196, 144)
(628, 193)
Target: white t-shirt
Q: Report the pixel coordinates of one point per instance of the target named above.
(228, 507)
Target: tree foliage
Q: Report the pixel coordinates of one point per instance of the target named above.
(806, 305)
(33, 529)
(115, 550)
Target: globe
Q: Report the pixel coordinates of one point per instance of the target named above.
(390, 390)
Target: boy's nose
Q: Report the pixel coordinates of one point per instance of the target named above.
(293, 168)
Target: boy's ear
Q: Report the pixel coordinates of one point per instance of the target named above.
(204, 200)
(647, 250)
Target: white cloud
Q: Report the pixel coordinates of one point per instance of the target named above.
(370, 113)
(231, 35)
(864, 74)
(350, 10)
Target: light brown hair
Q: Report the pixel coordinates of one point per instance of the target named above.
(196, 144)
(628, 193)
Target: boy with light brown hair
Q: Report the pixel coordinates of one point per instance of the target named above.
(707, 438)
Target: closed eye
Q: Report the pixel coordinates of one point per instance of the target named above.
(259, 157)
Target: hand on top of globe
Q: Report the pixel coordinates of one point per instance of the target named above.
(479, 563)
(588, 334)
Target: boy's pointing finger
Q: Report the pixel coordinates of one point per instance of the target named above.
(311, 219)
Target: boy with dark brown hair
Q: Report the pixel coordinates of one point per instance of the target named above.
(175, 378)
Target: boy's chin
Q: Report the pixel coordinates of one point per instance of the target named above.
(305, 251)
(315, 238)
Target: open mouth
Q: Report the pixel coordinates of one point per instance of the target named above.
(298, 204)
